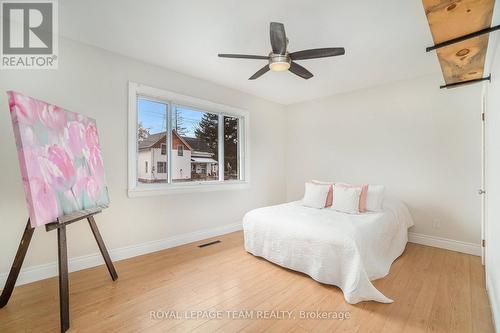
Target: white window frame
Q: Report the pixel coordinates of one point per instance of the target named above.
(160, 95)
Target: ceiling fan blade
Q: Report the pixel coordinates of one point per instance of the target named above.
(300, 71)
(278, 38)
(260, 72)
(243, 56)
(317, 53)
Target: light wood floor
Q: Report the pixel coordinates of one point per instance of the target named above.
(434, 291)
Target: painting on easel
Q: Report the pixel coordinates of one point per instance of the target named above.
(63, 177)
(60, 159)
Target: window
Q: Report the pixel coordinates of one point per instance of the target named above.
(162, 167)
(192, 144)
(231, 148)
(151, 139)
(195, 133)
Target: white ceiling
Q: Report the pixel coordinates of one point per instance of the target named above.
(384, 40)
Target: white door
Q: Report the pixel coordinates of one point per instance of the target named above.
(481, 190)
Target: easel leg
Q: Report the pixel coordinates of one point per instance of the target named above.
(63, 278)
(102, 247)
(16, 266)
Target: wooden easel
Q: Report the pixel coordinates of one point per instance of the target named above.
(60, 225)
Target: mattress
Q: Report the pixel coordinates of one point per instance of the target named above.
(345, 250)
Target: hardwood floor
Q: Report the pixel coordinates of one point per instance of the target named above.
(434, 291)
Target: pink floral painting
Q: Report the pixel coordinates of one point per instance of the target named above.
(59, 157)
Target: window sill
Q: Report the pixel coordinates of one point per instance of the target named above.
(148, 190)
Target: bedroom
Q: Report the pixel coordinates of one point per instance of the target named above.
(150, 76)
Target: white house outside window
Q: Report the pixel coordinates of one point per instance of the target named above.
(194, 144)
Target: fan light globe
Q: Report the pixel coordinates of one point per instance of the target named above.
(279, 66)
(279, 62)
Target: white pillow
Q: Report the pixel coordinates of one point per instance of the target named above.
(375, 198)
(315, 195)
(321, 182)
(346, 199)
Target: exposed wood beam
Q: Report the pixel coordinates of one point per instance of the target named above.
(450, 20)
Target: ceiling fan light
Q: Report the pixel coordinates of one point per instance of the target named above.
(279, 66)
(279, 62)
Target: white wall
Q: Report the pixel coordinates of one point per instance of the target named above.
(423, 143)
(94, 82)
(181, 163)
(143, 157)
(493, 187)
(157, 157)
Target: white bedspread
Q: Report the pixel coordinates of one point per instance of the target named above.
(333, 248)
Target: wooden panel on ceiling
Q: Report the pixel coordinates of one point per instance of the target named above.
(450, 19)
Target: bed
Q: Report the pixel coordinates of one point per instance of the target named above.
(345, 250)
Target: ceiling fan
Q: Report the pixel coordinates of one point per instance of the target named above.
(281, 60)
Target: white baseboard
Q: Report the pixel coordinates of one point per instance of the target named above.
(445, 243)
(40, 272)
(493, 297)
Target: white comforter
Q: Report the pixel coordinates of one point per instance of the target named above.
(334, 248)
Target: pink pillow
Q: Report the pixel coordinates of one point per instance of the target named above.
(329, 197)
(362, 196)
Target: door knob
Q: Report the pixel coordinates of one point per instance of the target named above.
(481, 191)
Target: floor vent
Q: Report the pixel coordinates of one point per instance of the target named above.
(208, 244)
